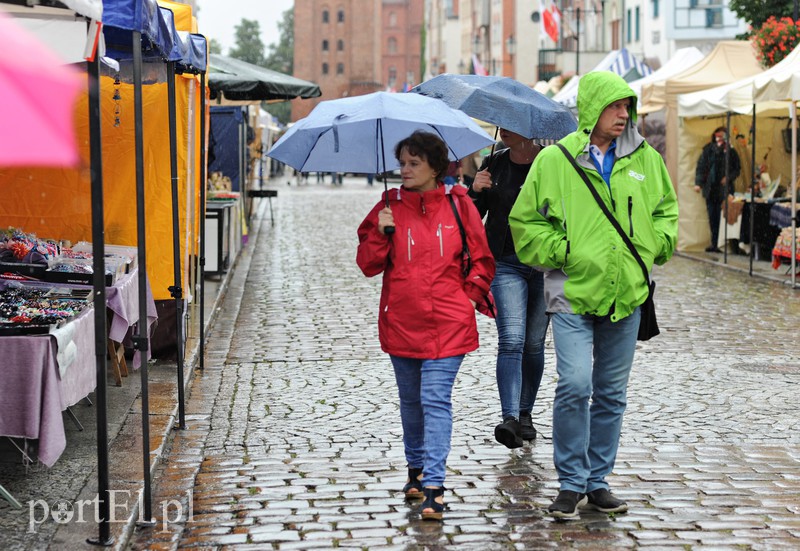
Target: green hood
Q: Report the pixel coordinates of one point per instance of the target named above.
(598, 90)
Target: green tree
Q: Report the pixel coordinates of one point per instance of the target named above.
(281, 59)
(214, 46)
(249, 46)
(281, 54)
(756, 12)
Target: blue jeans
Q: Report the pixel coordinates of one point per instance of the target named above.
(521, 328)
(593, 359)
(425, 388)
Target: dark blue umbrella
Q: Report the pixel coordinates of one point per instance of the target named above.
(504, 102)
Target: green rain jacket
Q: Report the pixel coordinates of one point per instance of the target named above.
(558, 226)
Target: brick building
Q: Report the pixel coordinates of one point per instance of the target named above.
(355, 47)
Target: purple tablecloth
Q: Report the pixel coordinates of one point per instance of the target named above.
(33, 395)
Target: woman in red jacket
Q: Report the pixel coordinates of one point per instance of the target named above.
(427, 320)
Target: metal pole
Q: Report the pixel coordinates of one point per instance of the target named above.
(726, 191)
(176, 290)
(752, 187)
(140, 340)
(99, 291)
(793, 114)
(202, 251)
(577, 41)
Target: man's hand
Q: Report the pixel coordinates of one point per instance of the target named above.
(697, 189)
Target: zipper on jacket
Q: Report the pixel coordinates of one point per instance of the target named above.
(439, 235)
(410, 242)
(566, 254)
(422, 204)
(630, 214)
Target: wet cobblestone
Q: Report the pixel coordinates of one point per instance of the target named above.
(294, 441)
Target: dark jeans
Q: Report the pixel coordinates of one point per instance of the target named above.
(714, 209)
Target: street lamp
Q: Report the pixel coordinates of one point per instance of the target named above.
(511, 48)
(511, 45)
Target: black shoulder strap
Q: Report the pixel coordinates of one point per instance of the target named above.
(605, 210)
(464, 248)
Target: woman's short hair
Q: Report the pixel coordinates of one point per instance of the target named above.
(428, 146)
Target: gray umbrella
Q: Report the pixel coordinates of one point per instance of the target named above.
(504, 102)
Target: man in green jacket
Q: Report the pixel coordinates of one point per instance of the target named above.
(593, 284)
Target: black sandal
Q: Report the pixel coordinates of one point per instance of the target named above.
(413, 488)
(430, 503)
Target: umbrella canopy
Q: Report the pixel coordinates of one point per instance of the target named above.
(358, 134)
(238, 80)
(37, 100)
(504, 102)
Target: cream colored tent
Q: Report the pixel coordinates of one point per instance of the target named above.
(785, 85)
(727, 62)
(703, 111)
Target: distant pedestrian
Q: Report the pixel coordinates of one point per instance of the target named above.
(370, 178)
(595, 283)
(712, 179)
(426, 320)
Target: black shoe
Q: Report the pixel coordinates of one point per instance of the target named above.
(413, 488)
(508, 433)
(566, 504)
(712, 249)
(603, 500)
(526, 431)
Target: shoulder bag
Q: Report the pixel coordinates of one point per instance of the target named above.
(648, 325)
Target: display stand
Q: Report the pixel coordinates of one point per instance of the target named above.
(218, 237)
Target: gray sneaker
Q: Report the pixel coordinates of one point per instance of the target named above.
(566, 504)
(603, 500)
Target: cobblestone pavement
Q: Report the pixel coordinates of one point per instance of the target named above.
(294, 438)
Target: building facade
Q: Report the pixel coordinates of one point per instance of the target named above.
(355, 47)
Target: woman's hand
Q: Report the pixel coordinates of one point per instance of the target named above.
(483, 180)
(385, 219)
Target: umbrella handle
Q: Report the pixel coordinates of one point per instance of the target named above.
(388, 230)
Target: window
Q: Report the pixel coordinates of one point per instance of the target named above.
(392, 19)
(392, 77)
(325, 16)
(391, 45)
(714, 17)
(637, 24)
(340, 45)
(340, 68)
(655, 9)
(324, 45)
(324, 68)
(628, 32)
(340, 16)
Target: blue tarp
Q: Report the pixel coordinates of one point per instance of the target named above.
(160, 39)
(225, 147)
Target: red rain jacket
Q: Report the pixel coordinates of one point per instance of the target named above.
(425, 311)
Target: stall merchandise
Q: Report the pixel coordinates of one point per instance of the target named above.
(782, 252)
(38, 310)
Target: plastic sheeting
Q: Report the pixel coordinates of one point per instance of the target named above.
(621, 62)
